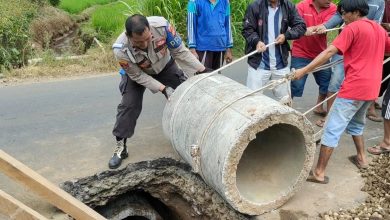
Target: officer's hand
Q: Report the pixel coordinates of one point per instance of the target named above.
(206, 70)
(193, 51)
(167, 91)
(260, 47)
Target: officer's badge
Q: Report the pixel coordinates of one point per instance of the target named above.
(144, 64)
(160, 42)
(124, 64)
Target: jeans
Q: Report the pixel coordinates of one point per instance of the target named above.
(345, 115)
(322, 78)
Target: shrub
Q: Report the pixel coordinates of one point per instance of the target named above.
(14, 32)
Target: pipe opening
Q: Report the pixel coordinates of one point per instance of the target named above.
(271, 163)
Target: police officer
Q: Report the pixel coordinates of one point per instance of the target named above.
(147, 52)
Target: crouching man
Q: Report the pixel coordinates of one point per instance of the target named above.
(147, 52)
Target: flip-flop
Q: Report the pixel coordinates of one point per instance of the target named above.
(320, 123)
(374, 118)
(355, 161)
(323, 114)
(377, 106)
(312, 178)
(377, 150)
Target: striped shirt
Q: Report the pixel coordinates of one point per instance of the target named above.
(272, 57)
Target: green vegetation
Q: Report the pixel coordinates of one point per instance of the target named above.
(14, 32)
(173, 10)
(108, 20)
(77, 6)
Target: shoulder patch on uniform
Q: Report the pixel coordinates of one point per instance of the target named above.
(173, 40)
(117, 46)
(124, 64)
(157, 21)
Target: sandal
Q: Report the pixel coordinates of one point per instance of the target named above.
(320, 123)
(377, 149)
(312, 178)
(356, 162)
(377, 105)
(320, 113)
(374, 118)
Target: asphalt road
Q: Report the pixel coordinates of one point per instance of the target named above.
(62, 130)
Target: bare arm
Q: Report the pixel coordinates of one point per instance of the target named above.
(319, 60)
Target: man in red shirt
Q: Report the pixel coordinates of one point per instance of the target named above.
(305, 49)
(363, 72)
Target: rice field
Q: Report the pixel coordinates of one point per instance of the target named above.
(108, 20)
(109, 17)
(77, 6)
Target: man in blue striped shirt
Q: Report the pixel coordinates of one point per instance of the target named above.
(209, 31)
(267, 22)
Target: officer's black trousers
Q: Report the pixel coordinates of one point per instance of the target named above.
(130, 107)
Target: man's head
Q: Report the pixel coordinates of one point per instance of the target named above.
(352, 10)
(138, 31)
(323, 3)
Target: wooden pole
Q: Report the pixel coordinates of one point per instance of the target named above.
(41, 186)
(14, 209)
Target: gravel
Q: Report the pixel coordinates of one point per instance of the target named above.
(377, 185)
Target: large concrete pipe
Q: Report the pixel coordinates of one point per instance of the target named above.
(254, 151)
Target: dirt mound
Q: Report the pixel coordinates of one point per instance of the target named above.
(51, 24)
(377, 185)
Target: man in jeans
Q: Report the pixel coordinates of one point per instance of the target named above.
(375, 13)
(361, 84)
(265, 22)
(306, 48)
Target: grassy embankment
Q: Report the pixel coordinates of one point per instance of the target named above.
(107, 21)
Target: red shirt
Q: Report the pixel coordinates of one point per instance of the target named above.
(363, 43)
(310, 46)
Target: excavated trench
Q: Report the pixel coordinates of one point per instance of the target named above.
(154, 190)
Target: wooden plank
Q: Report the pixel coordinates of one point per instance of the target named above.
(14, 209)
(41, 186)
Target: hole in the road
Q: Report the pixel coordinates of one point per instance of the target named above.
(136, 205)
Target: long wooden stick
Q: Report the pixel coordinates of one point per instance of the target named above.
(41, 186)
(14, 209)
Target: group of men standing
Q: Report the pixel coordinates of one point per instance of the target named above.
(149, 47)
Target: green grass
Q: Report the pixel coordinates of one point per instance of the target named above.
(77, 6)
(109, 20)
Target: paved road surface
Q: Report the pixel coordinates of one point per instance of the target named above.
(62, 130)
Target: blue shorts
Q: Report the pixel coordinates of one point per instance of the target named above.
(345, 115)
(337, 76)
(322, 78)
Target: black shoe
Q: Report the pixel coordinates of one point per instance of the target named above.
(120, 153)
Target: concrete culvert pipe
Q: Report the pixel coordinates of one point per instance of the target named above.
(253, 151)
